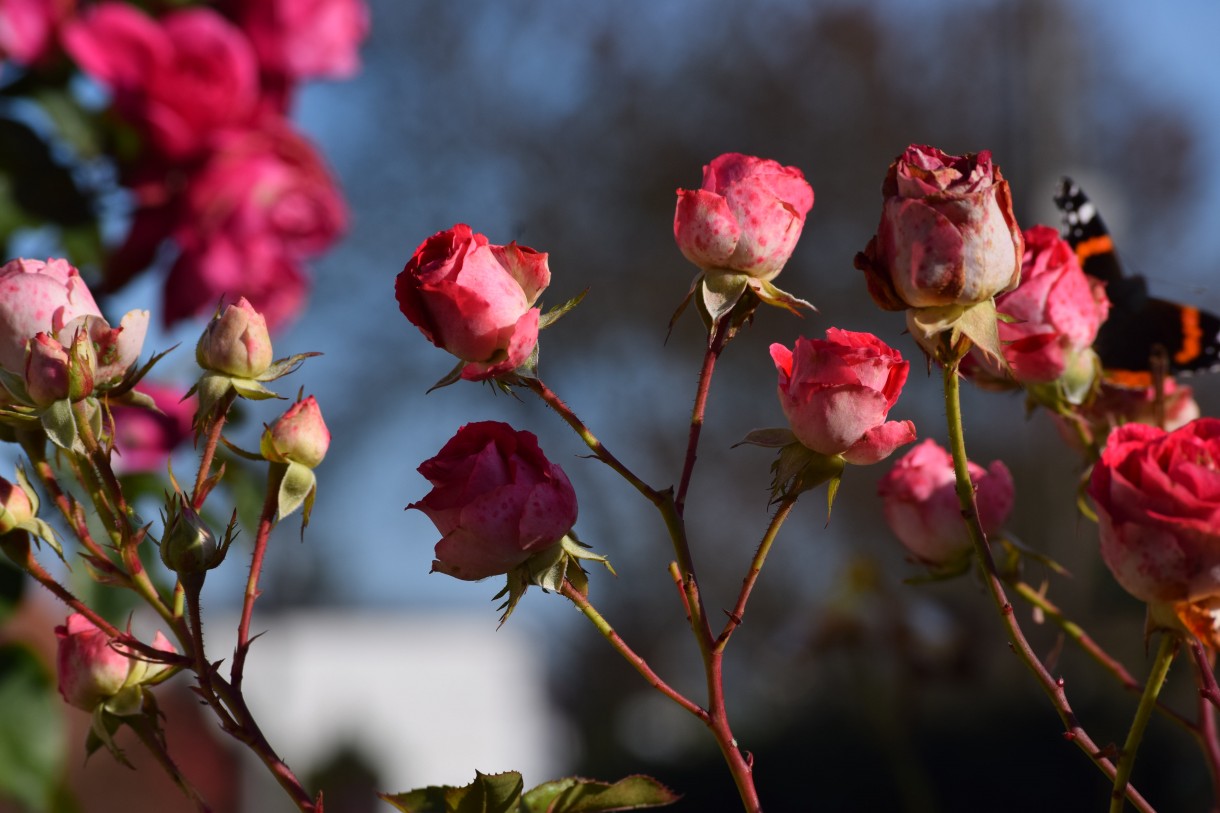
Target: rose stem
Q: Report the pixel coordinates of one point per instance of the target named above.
(720, 337)
(714, 717)
(951, 358)
(1156, 679)
(760, 556)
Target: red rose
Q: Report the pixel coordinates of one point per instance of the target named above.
(745, 219)
(475, 300)
(180, 78)
(837, 393)
(1157, 496)
(919, 497)
(947, 234)
(496, 500)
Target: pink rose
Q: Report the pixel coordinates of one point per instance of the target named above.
(180, 78)
(475, 300)
(298, 436)
(837, 393)
(919, 498)
(91, 671)
(745, 219)
(262, 202)
(1055, 311)
(144, 439)
(16, 507)
(304, 39)
(51, 297)
(28, 29)
(947, 235)
(1157, 496)
(496, 500)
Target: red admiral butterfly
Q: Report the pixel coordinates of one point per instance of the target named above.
(1139, 327)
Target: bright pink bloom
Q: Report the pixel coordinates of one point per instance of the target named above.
(837, 393)
(91, 671)
(145, 439)
(28, 28)
(298, 436)
(745, 219)
(180, 78)
(304, 39)
(947, 234)
(1157, 496)
(1055, 311)
(475, 300)
(496, 500)
(262, 202)
(919, 498)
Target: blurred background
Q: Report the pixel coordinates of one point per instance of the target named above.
(568, 127)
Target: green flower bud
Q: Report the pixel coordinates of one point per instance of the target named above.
(188, 545)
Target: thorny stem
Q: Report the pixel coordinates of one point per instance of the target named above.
(760, 557)
(720, 337)
(199, 493)
(1092, 648)
(265, 523)
(1143, 712)
(599, 450)
(1208, 693)
(714, 717)
(991, 577)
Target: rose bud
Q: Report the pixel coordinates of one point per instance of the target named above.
(188, 545)
(235, 342)
(947, 234)
(53, 372)
(1157, 496)
(495, 499)
(745, 219)
(298, 436)
(475, 300)
(91, 671)
(837, 393)
(16, 507)
(919, 498)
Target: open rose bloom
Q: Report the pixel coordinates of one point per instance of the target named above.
(475, 299)
(947, 234)
(837, 394)
(1157, 496)
(496, 500)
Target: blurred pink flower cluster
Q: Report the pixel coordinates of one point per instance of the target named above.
(218, 169)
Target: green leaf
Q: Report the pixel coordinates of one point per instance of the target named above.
(575, 795)
(60, 424)
(488, 793)
(555, 314)
(297, 483)
(31, 729)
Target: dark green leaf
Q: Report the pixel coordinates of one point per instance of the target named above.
(488, 793)
(574, 795)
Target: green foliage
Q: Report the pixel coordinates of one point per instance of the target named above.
(503, 793)
(31, 730)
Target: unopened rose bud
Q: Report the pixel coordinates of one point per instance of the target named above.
(299, 436)
(188, 545)
(15, 506)
(91, 671)
(236, 342)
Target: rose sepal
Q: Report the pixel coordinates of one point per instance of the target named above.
(975, 322)
(798, 468)
(297, 488)
(559, 311)
(549, 569)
